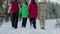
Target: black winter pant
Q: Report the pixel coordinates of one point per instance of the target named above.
(15, 20)
(33, 21)
(24, 22)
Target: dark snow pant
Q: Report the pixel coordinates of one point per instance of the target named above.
(20, 17)
(33, 21)
(15, 20)
(24, 22)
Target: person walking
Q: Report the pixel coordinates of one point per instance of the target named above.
(24, 13)
(33, 8)
(42, 14)
(14, 13)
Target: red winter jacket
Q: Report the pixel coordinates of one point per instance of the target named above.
(15, 7)
(33, 10)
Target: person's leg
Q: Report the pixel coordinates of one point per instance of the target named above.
(13, 18)
(34, 23)
(24, 22)
(42, 19)
(42, 22)
(31, 22)
(20, 17)
(16, 20)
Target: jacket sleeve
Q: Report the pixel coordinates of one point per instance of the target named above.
(27, 11)
(9, 9)
(29, 8)
(20, 11)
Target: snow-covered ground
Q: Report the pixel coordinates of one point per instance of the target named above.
(49, 28)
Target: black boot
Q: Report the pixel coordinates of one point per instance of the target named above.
(34, 27)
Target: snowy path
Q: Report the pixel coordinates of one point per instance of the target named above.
(49, 28)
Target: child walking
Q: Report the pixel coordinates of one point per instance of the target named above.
(24, 13)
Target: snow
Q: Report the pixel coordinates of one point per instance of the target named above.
(49, 28)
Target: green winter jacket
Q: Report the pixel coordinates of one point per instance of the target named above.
(24, 11)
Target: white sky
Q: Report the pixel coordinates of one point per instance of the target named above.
(58, 1)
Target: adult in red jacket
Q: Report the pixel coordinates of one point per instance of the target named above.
(15, 13)
(33, 13)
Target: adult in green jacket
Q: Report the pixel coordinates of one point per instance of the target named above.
(24, 13)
